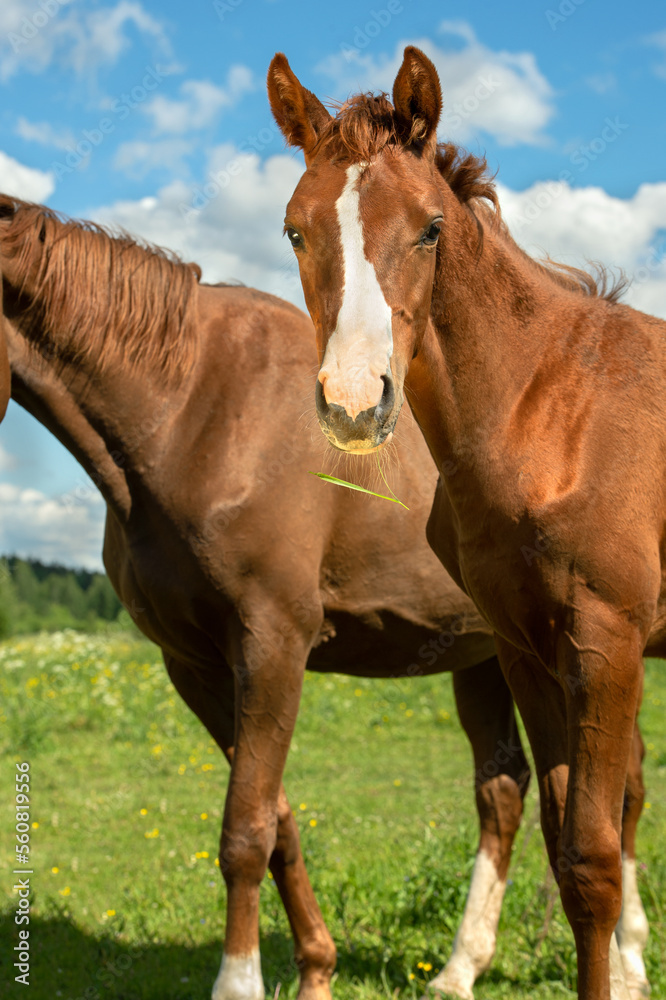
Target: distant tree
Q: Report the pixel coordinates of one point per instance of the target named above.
(7, 600)
(102, 598)
(27, 585)
(37, 596)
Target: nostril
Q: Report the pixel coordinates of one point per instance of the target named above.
(385, 404)
(320, 397)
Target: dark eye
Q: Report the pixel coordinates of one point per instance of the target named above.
(294, 238)
(431, 235)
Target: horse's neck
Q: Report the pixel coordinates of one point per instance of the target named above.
(494, 318)
(108, 423)
(493, 315)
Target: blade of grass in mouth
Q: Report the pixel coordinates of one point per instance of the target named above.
(361, 489)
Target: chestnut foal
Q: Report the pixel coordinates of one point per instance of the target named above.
(543, 402)
(183, 402)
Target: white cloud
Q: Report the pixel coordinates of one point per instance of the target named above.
(231, 222)
(578, 225)
(138, 158)
(501, 93)
(105, 38)
(32, 524)
(659, 41)
(44, 133)
(7, 460)
(200, 104)
(24, 182)
(33, 35)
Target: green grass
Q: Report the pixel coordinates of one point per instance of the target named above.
(128, 792)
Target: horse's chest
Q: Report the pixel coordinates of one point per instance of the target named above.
(497, 562)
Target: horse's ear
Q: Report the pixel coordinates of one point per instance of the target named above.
(300, 115)
(417, 98)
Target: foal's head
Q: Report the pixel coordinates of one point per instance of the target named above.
(364, 222)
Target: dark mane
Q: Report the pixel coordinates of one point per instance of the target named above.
(97, 293)
(365, 125)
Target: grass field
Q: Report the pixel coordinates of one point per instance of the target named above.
(127, 792)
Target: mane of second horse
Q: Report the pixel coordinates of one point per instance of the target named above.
(99, 294)
(365, 125)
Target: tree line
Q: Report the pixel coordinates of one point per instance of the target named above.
(36, 596)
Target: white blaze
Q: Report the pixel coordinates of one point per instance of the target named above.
(240, 978)
(360, 347)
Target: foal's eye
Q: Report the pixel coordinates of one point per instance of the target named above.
(294, 238)
(431, 235)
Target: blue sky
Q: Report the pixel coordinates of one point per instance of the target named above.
(133, 112)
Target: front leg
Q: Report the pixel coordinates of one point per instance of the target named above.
(601, 656)
(632, 929)
(581, 727)
(268, 670)
(212, 698)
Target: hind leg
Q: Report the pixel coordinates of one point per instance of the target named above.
(211, 698)
(485, 707)
(632, 927)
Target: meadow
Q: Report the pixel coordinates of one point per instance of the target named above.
(127, 794)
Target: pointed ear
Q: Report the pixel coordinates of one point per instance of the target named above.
(300, 115)
(417, 98)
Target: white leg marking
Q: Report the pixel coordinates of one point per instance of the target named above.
(240, 978)
(474, 946)
(618, 984)
(360, 348)
(632, 932)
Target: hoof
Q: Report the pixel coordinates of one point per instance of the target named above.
(310, 991)
(634, 974)
(449, 984)
(638, 989)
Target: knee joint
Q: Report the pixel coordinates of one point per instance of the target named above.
(245, 854)
(591, 887)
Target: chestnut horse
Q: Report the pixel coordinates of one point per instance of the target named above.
(183, 403)
(543, 402)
